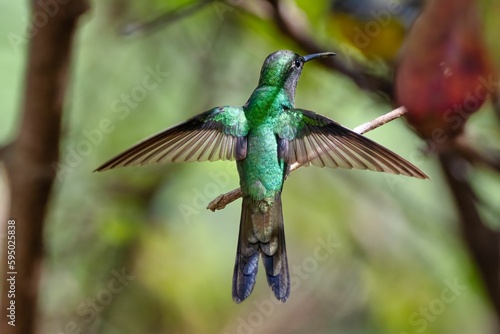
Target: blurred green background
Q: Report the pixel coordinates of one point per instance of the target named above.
(135, 251)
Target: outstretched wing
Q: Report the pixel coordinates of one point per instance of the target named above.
(312, 138)
(218, 134)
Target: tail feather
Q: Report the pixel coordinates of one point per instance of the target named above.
(261, 232)
(274, 256)
(247, 256)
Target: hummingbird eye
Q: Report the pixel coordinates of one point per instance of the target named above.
(297, 63)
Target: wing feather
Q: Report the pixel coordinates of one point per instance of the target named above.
(218, 134)
(325, 143)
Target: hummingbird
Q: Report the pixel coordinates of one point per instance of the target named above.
(265, 137)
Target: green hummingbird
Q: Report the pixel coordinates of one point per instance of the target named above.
(265, 136)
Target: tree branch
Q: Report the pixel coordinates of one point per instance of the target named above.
(164, 19)
(482, 241)
(379, 121)
(28, 160)
(284, 15)
(222, 200)
(295, 28)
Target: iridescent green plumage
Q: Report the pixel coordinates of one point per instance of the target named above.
(265, 137)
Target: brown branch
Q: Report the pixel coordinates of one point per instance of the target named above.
(222, 200)
(29, 158)
(284, 14)
(482, 241)
(475, 155)
(495, 97)
(379, 121)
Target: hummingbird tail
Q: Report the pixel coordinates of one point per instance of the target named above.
(261, 232)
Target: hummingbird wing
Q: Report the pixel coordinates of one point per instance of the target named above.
(217, 134)
(316, 139)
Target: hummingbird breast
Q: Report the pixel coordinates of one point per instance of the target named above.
(262, 171)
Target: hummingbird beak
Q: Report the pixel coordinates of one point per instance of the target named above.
(317, 55)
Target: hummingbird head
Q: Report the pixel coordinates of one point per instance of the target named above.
(283, 68)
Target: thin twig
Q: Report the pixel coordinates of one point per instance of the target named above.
(379, 121)
(164, 19)
(222, 200)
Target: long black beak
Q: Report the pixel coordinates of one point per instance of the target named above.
(317, 55)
